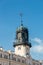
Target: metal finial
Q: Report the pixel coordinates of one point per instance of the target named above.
(21, 19)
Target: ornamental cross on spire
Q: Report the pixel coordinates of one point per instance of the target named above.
(21, 19)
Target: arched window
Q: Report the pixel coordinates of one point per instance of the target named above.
(23, 61)
(18, 60)
(0, 55)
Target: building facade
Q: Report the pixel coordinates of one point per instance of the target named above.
(21, 55)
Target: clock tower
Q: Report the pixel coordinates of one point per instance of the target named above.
(22, 44)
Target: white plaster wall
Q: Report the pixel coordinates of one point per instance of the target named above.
(22, 51)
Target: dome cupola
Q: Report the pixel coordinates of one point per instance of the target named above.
(22, 37)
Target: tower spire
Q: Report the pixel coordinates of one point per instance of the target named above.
(21, 19)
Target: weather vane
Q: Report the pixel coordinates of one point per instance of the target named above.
(21, 18)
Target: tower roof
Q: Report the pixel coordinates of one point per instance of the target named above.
(21, 28)
(22, 35)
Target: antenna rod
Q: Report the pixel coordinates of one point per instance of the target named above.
(21, 18)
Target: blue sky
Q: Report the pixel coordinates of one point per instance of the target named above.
(32, 18)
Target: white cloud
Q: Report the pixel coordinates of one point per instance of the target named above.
(37, 40)
(37, 48)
